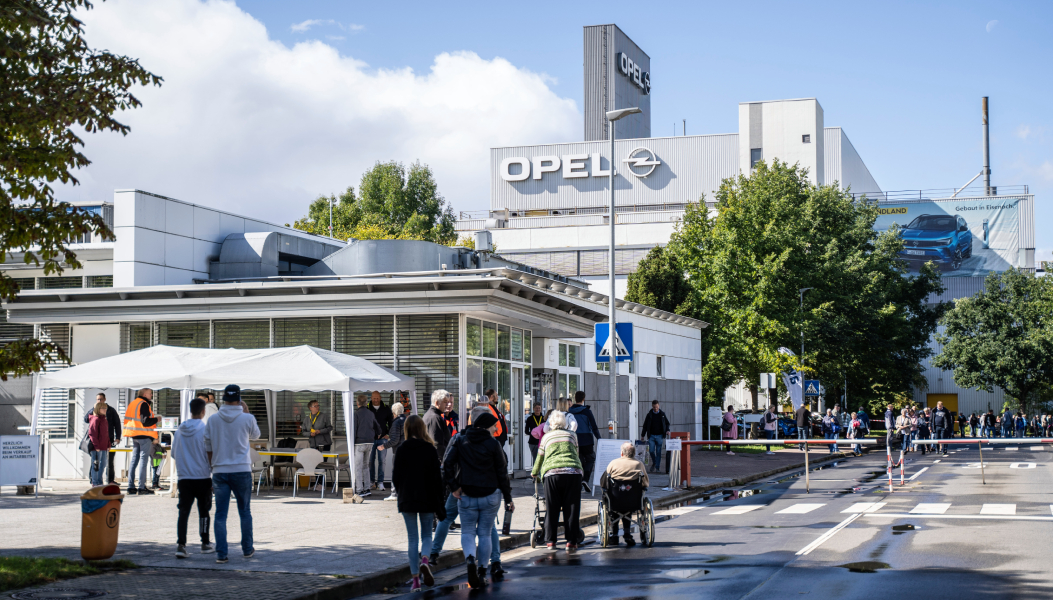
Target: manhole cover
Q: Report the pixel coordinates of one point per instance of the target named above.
(57, 594)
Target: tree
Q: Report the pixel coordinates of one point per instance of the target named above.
(391, 204)
(659, 281)
(866, 319)
(1002, 337)
(51, 83)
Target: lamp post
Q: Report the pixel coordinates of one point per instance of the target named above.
(801, 292)
(612, 116)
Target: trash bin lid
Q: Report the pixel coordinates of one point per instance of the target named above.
(104, 492)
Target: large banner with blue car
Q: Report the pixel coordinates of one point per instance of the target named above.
(963, 237)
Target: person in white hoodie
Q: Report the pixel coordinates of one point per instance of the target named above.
(195, 477)
(227, 436)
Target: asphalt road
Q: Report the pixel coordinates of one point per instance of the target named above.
(944, 534)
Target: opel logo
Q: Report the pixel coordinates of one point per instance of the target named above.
(642, 158)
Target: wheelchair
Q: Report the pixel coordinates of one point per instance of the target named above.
(623, 499)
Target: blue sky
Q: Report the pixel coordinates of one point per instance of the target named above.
(904, 80)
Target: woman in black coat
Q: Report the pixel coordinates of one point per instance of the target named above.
(417, 480)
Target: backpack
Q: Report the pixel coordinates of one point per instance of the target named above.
(835, 427)
(285, 443)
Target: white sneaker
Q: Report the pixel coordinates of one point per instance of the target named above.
(380, 486)
(769, 452)
(391, 498)
(731, 453)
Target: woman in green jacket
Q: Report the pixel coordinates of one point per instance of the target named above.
(559, 467)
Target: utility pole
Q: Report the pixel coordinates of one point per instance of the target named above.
(802, 291)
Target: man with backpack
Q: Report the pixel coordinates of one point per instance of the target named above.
(588, 433)
(655, 428)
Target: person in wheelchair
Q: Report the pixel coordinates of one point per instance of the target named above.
(623, 485)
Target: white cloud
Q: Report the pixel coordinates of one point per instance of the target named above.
(1045, 170)
(305, 25)
(1023, 131)
(991, 25)
(249, 125)
(357, 27)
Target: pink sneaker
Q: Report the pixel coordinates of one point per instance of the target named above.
(415, 587)
(425, 571)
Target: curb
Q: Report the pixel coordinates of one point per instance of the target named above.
(376, 582)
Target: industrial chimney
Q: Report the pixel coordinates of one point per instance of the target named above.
(988, 190)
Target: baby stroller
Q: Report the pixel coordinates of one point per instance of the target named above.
(623, 499)
(537, 537)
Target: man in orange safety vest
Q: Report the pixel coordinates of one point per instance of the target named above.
(140, 426)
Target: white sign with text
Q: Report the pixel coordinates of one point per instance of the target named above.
(18, 459)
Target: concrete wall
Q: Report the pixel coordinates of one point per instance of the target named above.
(163, 241)
(778, 126)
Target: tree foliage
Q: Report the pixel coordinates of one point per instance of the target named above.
(865, 320)
(1002, 337)
(52, 85)
(659, 281)
(392, 203)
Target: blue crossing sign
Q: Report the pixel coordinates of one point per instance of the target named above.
(623, 342)
(812, 387)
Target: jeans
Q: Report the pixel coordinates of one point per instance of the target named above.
(99, 459)
(940, 433)
(142, 448)
(477, 523)
(418, 538)
(770, 433)
(655, 446)
(189, 491)
(361, 466)
(373, 454)
(443, 529)
(533, 453)
(562, 495)
(833, 436)
(802, 434)
(587, 454)
(241, 485)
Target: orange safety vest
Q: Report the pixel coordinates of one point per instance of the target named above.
(133, 425)
(500, 427)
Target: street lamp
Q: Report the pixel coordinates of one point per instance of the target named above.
(612, 116)
(801, 292)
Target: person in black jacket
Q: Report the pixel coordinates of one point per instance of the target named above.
(475, 470)
(417, 479)
(383, 415)
(942, 425)
(435, 421)
(655, 428)
(114, 421)
(588, 432)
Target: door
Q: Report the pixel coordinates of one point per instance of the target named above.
(950, 401)
(515, 420)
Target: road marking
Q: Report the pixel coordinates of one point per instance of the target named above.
(975, 466)
(998, 509)
(976, 517)
(826, 536)
(739, 510)
(933, 508)
(914, 476)
(935, 461)
(1038, 447)
(1015, 448)
(682, 510)
(864, 507)
(799, 509)
(1022, 466)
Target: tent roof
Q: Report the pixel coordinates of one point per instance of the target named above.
(300, 368)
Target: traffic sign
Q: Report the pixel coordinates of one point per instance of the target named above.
(623, 342)
(812, 387)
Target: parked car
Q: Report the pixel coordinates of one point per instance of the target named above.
(943, 239)
(787, 427)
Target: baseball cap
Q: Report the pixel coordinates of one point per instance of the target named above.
(232, 393)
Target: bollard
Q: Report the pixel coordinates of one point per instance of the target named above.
(888, 453)
(807, 479)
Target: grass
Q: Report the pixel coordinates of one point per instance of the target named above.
(18, 572)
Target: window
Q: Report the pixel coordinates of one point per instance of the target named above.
(474, 338)
(100, 281)
(755, 157)
(604, 367)
(313, 331)
(660, 366)
(806, 138)
(562, 355)
(527, 344)
(61, 283)
(490, 340)
(568, 355)
(503, 342)
(245, 335)
(517, 344)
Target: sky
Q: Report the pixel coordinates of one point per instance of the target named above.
(268, 104)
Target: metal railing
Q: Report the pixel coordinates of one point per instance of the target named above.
(928, 194)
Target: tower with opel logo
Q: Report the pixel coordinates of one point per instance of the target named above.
(617, 75)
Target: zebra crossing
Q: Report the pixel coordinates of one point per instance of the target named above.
(875, 509)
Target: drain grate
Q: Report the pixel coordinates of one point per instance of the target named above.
(57, 594)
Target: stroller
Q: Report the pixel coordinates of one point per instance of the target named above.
(537, 537)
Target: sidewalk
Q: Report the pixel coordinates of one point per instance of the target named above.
(305, 547)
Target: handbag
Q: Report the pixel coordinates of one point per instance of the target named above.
(725, 425)
(85, 444)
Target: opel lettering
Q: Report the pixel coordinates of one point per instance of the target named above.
(641, 162)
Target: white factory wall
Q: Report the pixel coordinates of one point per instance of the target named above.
(844, 165)
(783, 123)
(581, 237)
(163, 241)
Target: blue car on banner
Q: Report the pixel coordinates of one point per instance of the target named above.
(943, 239)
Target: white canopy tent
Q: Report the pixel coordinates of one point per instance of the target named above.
(296, 369)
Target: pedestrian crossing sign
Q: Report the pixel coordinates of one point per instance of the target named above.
(811, 387)
(623, 342)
